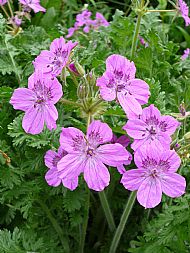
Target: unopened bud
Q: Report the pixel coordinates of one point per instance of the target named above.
(182, 109)
(80, 69)
(73, 69)
(82, 91)
(187, 136)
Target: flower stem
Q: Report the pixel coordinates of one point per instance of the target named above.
(123, 222)
(136, 34)
(161, 10)
(107, 211)
(85, 222)
(56, 226)
(10, 9)
(5, 11)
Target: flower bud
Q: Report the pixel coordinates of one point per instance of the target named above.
(80, 69)
(187, 136)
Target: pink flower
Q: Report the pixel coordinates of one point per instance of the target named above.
(124, 141)
(82, 18)
(186, 54)
(151, 129)
(88, 154)
(53, 61)
(184, 12)
(100, 21)
(38, 102)
(16, 20)
(119, 82)
(52, 176)
(155, 174)
(2, 2)
(33, 4)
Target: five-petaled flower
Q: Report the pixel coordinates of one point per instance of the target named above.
(156, 173)
(52, 176)
(184, 12)
(151, 129)
(89, 153)
(33, 4)
(38, 102)
(52, 62)
(119, 82)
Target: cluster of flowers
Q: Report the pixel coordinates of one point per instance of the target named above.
(44, 90)
(83, 20)
(89, 154)
(27, 6)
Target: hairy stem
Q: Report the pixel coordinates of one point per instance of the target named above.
(56, 226)
(137, 29)
(6, 13)
(85, 222)
(161, 10)
(123, 221)
(107, 211)
(10, 9)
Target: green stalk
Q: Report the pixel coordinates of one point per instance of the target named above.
(85, 223)
(10, 9)
(137, 29)
(123, 222)
(107, 211)
(2, 7)
(56, 226)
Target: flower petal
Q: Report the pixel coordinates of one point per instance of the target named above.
(96, 175)
(52, 177)
(99, 133)
(136, 128)
(171, 124)
(132, 179)
(150, 112)
(173, 185)
(112, 154)
(70, 183)
(149, 193)
(70, 137)
(129, 104)
(50, 116)
(140, 90)
(22, 99)
(33, 121)
(70, 166)
(48, 158)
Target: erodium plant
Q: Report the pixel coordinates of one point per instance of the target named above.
(146, 155)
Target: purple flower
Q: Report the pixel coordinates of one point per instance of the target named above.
(185, 54)
(16, 20)
(124, 141)
(100, 21)
(151, 128)
(33, 4)
(184, 9)
(143, 42)
(53, 61)
(89, 153)
(155, 174)
(82, 18)
(2, 2)
(38, 102)
(119, 82)
(52, 176)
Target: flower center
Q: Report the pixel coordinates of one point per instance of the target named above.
(90, 152)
